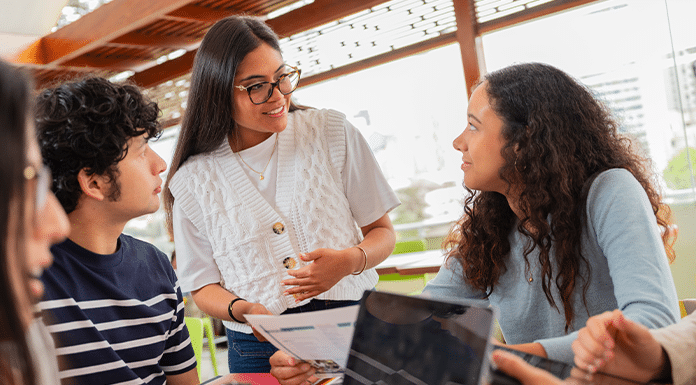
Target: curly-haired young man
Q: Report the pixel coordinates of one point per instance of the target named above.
(112, 302)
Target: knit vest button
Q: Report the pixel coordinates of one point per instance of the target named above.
(289, 263)
(278, 228)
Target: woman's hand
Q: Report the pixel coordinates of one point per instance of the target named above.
(614, 344)
(289, 371)
(327, 268)
(256, 308)
(518, 368)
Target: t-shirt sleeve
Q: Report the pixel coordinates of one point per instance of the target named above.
(194, 254)
(624, 225)
(366, 188)
(178, 354)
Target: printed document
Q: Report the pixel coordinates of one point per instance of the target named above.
(321, 338)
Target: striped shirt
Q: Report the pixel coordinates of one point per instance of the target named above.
(118, 318)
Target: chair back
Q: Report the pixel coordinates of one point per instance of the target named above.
(687, 306)
(195, 329)
(409, 246)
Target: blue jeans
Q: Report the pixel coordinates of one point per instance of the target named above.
(246, 354)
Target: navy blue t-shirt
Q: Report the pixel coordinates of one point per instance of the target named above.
(116, 318)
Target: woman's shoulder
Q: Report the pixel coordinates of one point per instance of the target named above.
(196, 163)
(614, 179)
(318, 116)
(615, 185)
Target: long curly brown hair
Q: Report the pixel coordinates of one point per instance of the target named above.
(558, 137)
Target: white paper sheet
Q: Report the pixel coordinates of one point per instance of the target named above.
(321, 338)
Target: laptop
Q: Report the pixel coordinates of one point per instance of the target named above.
(414, 340)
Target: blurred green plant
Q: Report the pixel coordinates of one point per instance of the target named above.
(676, 174)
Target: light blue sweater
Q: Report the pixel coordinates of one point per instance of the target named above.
(629, 271)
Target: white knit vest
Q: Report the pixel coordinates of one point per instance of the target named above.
(223, 204)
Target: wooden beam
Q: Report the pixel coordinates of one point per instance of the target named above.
(36, 68)
(104, 63)
(467, 32)
(166, 71)
(104, 24)
(198, 13)
(165, 42)
(317, 14)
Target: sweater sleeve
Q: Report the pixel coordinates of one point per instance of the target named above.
(449, 283)
(622, 222)
(679, 341)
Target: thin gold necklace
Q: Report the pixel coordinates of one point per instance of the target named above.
(267, 163)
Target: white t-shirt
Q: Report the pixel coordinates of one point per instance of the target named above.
(362, 178)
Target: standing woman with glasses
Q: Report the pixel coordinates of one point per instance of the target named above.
(31, 219)
(274, 208)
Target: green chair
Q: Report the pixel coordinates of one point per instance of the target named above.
(409, 246)
(687, 306)
(407, 284)
(197, 327)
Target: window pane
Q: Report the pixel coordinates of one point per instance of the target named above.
(409, 111)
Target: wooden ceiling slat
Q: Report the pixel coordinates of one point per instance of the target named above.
(96, 28)
(111, 63)
(42, 71)
(166, 71)
(202, 14)
(157, 27)
(161, 41)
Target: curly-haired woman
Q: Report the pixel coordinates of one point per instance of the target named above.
(563, 221)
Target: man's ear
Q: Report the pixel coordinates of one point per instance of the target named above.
(94, 186)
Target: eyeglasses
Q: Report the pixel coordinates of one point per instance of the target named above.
(259, 93)
(43, 184)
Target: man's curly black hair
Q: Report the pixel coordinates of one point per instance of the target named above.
(86, 124)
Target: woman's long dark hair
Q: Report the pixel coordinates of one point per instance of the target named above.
(14, 113)
(209, 112)
(558, 137)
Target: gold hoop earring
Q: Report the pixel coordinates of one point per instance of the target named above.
(517, 169)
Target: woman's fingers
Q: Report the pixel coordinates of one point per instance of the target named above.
(515, 366)
(590, 353)
(289, 371)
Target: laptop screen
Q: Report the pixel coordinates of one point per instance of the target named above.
(407, 340)
(402, 339)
